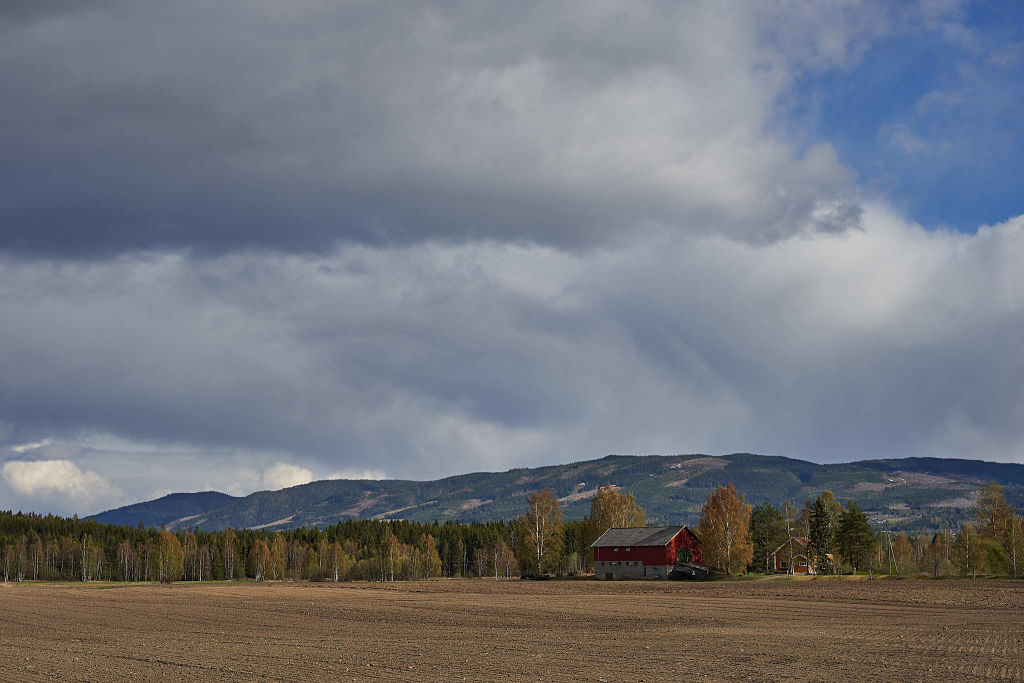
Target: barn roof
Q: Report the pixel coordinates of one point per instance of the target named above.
(637, 536)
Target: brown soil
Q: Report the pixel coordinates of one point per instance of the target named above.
(486, 630)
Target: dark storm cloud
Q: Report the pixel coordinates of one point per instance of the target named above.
(429, 360)
(211, 126)
(247, 246)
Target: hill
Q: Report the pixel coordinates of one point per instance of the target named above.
(175, 509)
(913, 494)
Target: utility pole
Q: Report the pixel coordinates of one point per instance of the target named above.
(891, 553)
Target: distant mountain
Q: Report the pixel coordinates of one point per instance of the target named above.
(913, 493)
(173, 511)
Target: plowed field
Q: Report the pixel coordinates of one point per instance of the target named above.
(486, 630)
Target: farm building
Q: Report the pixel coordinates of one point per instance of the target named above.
(792, 557)
(644, 552)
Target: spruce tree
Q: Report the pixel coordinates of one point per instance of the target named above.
(855, 536)
(824, 517)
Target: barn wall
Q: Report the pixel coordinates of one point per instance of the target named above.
(685, 539)
(648, 555)
(634, 570)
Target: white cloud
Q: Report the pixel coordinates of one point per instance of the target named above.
(283, 475)
(902, 136)
(449, 358)
(52, 478)
(22, 448)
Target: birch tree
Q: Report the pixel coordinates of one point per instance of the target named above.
(276, 563)
(480, 560)
(724, 530)
(540, 531)
(86, 546)
(431, 558)
(168, 558)
(229, 554)
(967, 552)
(993, 513)
(1015, 537)
(611, 509)
(259, 556)
(336, 561)
(35, 555)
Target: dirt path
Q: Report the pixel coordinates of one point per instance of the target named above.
(482, 630)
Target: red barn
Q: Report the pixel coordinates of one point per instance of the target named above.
(644, 552)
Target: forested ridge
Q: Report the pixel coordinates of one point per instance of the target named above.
(913, 495)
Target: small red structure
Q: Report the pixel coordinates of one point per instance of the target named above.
(644, 552)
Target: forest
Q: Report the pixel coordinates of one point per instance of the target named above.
(738, 538)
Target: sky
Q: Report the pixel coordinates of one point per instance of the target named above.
(245, 246)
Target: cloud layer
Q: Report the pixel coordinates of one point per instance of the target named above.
(142, 125)
(249, 247)
(421, 362)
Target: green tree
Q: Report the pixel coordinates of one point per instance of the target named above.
(767, 532)
(855, 538)
(999, 526)
(822, 526)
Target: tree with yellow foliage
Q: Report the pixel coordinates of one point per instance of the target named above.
(540, 532)
(168, 560)
(610, 509)
(724, 530)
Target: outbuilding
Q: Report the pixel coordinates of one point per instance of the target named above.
(644, 552)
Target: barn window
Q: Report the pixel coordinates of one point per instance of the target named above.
(628, 549)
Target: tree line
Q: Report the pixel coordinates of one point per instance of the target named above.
(736, 538)
(50, 547)
(69, 549)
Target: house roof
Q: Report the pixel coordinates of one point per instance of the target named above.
(800, 540)
(637, 536)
